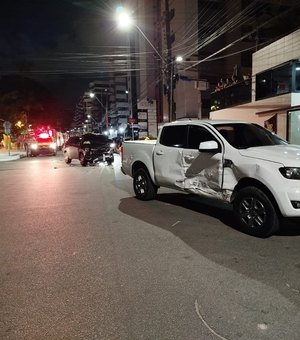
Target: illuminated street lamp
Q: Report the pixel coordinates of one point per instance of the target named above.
(124, 20)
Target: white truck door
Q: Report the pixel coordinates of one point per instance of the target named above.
(179, 164)
(203, 170)
(168, 154)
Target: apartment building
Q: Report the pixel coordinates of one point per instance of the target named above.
(271, 95)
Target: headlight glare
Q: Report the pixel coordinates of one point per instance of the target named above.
(53, 146)
(112, 145)
(290, 173)
(34, 146)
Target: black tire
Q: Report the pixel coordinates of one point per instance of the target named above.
(82, 159)
(255, 212)
(143, 186)
(27, 151)
(67, 159)
(110, 161)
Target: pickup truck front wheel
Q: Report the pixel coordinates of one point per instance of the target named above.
(143, 186)
(255, 212)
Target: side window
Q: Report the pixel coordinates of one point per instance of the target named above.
(73, 141)
(197, 135)
(175, 136)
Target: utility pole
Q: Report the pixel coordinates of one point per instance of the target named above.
(170, 62)
(106, 109)
(133, 76)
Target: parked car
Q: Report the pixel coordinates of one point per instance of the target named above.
(39, 145)
(236, 162)
(89, 149)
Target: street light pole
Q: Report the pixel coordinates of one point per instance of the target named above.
(93, 95)
(125, 20)
(106, 111)
(96, 123)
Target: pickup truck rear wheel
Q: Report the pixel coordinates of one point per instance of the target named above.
(255, 212)
(143, 186)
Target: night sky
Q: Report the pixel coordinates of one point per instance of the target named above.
(56, 42)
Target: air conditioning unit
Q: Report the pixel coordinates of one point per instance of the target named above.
(201, 85)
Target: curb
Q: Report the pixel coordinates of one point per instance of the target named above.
(12, 157)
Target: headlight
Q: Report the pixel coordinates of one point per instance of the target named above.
(112, 145)
(34, 146)
(290, 173)
(53, 146)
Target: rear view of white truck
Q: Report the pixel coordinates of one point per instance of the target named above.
(236, 162)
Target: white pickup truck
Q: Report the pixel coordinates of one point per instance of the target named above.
(233, 161)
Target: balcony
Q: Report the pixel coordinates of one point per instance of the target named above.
(233, 95)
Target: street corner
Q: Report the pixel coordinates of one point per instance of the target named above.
(8, 158)
(5, 156)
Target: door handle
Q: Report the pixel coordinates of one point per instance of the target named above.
(160, 152)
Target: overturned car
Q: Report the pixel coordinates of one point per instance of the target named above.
(89, 149)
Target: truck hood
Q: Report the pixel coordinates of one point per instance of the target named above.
(288, 155)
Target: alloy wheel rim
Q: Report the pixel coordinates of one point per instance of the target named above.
(141, 185)
(253, 212)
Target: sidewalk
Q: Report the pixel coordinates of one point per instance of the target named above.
(14, 155)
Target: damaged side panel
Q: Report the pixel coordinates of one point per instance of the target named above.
(202, 173)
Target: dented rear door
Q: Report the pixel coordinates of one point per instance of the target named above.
(179, 164)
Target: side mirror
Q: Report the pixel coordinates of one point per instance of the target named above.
(209, 146)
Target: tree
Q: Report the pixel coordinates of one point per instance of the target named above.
(25, 100)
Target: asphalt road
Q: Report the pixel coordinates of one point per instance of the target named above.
(81, 258)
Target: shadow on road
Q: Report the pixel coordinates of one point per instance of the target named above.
(216, 209)
(208, 227)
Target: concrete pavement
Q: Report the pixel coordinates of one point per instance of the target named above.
(12, 155)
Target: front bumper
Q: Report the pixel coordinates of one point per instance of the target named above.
(45, 150)
(289, 198)
(95, 157)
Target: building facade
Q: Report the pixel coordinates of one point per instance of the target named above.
(273, 90)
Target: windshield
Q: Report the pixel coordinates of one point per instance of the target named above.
(243, 136)
(90, 139)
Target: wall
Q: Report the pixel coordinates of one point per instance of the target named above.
(279, 52)
(282, 50)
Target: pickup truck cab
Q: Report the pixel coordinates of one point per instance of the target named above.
(237, 162)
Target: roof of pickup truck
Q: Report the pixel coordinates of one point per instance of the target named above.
(205, 121)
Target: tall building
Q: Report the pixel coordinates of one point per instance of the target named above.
(216, 40)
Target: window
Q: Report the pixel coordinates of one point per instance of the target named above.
(297, 77)
(243, 135)
(281, 79)
(73, 141)
(175, 136)
(263, 85)
(274, 82)
(293, 127)
(197, 135)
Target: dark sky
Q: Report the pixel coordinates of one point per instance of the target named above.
(57, 42)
